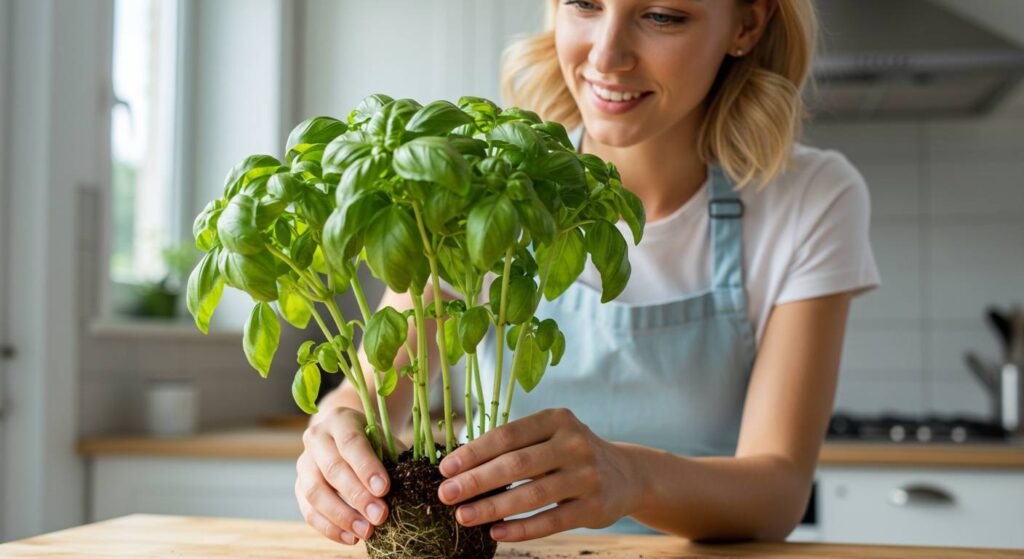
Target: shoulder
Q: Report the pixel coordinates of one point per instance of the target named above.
(813, 180)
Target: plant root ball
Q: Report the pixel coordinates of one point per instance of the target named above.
(419, 525)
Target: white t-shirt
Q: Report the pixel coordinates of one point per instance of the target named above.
(805, 235)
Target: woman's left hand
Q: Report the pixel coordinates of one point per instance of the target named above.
(592, 480)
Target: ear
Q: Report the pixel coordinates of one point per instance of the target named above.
(754, 16)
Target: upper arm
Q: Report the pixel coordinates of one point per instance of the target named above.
(792, 386)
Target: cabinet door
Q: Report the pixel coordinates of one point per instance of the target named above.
(922, 507)
(262, 489)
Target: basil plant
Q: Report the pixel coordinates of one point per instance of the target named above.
(419, 194)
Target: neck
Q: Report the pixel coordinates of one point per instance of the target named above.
(664, 171)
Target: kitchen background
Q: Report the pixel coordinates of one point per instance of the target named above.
(199, 84)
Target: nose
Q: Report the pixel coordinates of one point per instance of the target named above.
(611, 50)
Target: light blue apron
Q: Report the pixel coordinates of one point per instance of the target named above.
(671, 375)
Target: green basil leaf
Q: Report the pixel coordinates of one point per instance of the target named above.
(437, 118)
(291, 306)
(260, 338)
(255, 274)
(632, 210)
(204, 228)
(250, 168)
(483, 111)
(512, 336)
(368, 107)
(394, 249)
(398, 114)
(388, 383)
(515, 113)
(532, 362)
(468, 146)
(309, 169)
(440, 206)
(537, 220)
(204, 290)
(283, 233)
(327, 357)
(491, 227)
(561, 167)
(518, 134)
(284, 186)
(363, 175)
(432, 159)
(521, 292)
(595, 165)
(453, 347)
(557, 348)
(302, 249)
(561, 262)
(314, 206)
(385, 333)
(345, 150)
(341, 235)
(547, 331)
(608, 251)
(267, 211)
(237, 227)
(453, 267)
(556, 132)
(304, 355)
(473, 326)
(316, 130)
(306, 387)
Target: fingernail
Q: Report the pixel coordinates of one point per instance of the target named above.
(348, 538)
(375, 512)
(467, 514)
(450, 490)
(362, 527)
(450, 466)
(377, 484)
(498, 532)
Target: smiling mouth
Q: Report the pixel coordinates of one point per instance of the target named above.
(616, 96)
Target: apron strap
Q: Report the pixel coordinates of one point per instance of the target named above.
(726, 212)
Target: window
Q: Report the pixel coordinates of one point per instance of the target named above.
(143, 195)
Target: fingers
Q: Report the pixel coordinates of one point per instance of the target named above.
(511, 436)
(312, 490)
(567, 515)
(355, 449)
(320, 523)
(527, 497)
(335, 469)
(530, 462)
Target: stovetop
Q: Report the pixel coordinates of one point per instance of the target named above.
(913, 429)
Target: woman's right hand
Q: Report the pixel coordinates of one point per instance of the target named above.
(340, 480)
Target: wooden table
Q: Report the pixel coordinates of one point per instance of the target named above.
(159, 537)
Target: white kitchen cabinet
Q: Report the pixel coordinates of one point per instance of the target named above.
(947, 507)
(242, 488)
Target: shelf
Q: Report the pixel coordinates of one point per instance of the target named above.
(121, 328)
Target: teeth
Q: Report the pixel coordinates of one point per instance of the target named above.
(618, 96)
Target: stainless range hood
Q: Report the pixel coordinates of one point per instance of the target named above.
(906, 59)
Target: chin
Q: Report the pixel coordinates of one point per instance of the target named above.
(614, 134)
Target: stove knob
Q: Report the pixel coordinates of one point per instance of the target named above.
(897, 433)
(924, 433)
(959, 434)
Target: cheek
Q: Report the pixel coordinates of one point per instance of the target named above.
(571, 47)
(687, 70)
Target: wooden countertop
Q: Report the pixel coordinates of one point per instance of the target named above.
(165, 537)
(284, 441)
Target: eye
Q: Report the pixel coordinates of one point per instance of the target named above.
(665, 20)
(582, 5)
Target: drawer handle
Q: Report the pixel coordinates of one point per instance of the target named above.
(920, 495)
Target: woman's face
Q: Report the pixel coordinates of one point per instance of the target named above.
(662, 53)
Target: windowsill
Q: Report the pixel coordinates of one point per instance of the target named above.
(167, 329)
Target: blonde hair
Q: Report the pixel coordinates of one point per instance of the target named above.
(755, 112)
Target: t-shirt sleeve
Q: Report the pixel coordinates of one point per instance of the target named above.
(831, 236)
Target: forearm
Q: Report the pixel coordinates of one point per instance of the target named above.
(716, 498)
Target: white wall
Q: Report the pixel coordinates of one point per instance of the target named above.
(947, 201)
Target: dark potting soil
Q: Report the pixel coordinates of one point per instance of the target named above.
(419, 525)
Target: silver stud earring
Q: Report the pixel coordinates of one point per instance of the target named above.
(739, 52)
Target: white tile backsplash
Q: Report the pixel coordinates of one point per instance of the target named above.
(948, 235)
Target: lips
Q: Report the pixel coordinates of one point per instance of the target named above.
(611, 106)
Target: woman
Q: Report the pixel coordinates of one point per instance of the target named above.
(695, 404)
